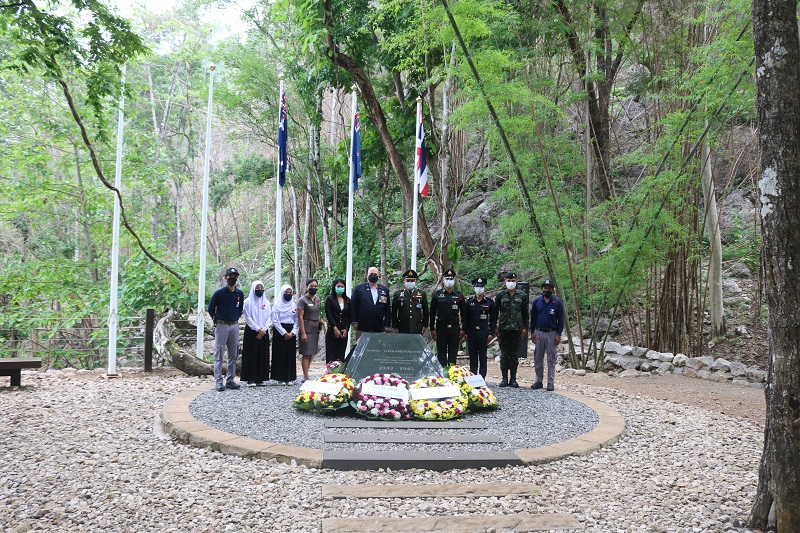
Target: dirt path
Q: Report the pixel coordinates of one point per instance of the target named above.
(732, 400)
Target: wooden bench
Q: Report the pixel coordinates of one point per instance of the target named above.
(12, 366)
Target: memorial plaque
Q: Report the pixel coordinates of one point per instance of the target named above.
(404, 354)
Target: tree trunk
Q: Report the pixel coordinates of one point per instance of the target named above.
(84, 218)
(777, 50)
(364, 84)
(715, 240)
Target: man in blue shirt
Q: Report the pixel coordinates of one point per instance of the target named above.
(547, 323)
(226, 308)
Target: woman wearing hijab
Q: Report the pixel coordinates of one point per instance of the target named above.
(337, 311)
(255, 348)
(308, 311)
(284, 339)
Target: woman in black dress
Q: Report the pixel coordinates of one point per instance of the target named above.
(337, 311)
(255, 347)
(284, 338)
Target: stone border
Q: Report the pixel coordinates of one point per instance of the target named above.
(179, 422)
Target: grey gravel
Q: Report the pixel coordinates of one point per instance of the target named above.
(78, 453)
(265, 413)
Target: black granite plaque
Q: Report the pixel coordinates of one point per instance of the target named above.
(404, 354)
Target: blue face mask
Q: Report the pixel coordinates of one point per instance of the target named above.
(339, 290)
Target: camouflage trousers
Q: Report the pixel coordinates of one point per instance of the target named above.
(509, 348)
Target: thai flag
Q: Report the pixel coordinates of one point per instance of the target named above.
(283, 135)
(420, 165)
(355, 152)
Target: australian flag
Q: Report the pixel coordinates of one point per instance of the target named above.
(282, 138)
(355, 152)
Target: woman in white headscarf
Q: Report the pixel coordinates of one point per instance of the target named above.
(255, 347)
(284, 339)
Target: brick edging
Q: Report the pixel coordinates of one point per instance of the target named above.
(179, 422)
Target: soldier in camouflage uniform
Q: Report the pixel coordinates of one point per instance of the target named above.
(512, 326)
(410, 306)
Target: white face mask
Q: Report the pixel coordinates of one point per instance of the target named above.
(449, 283)
(511, 285)
(479, 290)
(410, 284)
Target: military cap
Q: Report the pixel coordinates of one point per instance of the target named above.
(231, 271)
(410, 274)
(449, 273)
(547, 282)
(479, 282)
(510, 275)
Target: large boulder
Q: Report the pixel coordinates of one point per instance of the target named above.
(738, 369)
(722, 365)
(679, 360)
(699, 363)
(731, 288)
(624, 362)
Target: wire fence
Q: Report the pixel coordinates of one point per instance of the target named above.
(80, 342)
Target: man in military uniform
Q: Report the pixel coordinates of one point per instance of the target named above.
(448, 305)
(512, 326)
(410, 306)
(481, 321)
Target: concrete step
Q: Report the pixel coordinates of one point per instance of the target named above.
(357, 460)
(431, 491)
(453, 524)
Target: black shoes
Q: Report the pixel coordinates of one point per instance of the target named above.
(233, 386)
(549, 386)
(514, 384)
(220, 388)
(504, 383)
(537, 385)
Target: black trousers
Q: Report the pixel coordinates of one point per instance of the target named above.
(476, 344)
(447, 345)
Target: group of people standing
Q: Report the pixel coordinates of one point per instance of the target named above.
(450, 316)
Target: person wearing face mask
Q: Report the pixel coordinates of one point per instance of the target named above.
(370, 305)
(447, 315)
(225, 308)
(512, 327)
(284, 338)
(410, 306)
(481, 321)
(308, 318)
(547, 323)
(255, 346)
(337, 311)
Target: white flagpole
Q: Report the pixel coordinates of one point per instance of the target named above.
(201, 289)
(278, 214)
(113, 316)
(351, 192)
(416, 189)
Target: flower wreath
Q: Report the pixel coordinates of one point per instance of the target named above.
(437, 409)
(478, 397)
(334, 367)
(319, 401)
(381, 407)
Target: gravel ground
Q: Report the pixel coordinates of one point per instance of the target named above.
(78, 453)
(265, 413)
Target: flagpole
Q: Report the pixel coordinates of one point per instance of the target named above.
(201, 281)
(351, 193)
(113, 316)
(278, 211)
(415, 207)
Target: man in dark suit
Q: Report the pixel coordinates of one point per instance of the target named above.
(370, 306)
